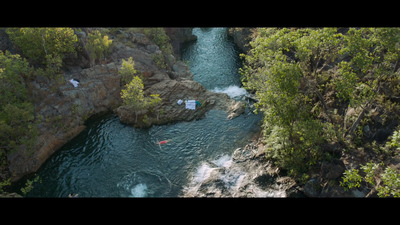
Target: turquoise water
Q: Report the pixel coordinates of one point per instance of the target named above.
(213, 59)
(111, 159)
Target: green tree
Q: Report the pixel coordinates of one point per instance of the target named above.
(17, 123)
(133, 96)
(37, 43)
(13, 68)
(128, 70)
(29, 185)
(98, 45)
(292, 70)
(45, 46)
(374, 56)
(285, 67)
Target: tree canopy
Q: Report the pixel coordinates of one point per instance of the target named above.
(37, 43)
(17, 124)
(132, 94)
(294, 71)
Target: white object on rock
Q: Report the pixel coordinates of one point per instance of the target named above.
(191, 104)
(74, 82)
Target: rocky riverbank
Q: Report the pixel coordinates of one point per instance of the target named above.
(241, 37)
(247, 173)
(63, 111)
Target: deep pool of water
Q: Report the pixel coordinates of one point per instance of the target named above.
(111, 159)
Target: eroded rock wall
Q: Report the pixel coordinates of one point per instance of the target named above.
(63, 112)
(241, 37)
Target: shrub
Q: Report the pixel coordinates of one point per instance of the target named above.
(158, 36)
(390, 185)
(351, 179)
(127, 70)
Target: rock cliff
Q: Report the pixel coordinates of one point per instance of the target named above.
(241, 37)
(62, 111)
(178, 36)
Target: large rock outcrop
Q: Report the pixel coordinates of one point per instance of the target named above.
(173, 82)
(170, 92)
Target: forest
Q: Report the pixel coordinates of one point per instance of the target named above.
(325, 92)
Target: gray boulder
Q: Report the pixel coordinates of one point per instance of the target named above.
(332, 170)
(312, 188)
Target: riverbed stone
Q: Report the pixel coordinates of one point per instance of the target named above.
(312, 188)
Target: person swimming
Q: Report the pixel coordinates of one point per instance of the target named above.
(73, 195)
(163, 142)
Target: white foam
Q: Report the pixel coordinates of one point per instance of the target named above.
(232, 91)
(233, 178)
(139, 190)
(224, 161)
(202, 173)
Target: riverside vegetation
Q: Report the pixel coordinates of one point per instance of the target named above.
(325, 93)
(132, 94)
(132, 72)
(328, 93)
(41, 52)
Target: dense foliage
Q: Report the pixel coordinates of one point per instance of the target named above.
(307, 79)
(387, 180)
(133, 95)
(128, 70)
(17, 124)
(37, 43)
(98, 45)
(45, 48)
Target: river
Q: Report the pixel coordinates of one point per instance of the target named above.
(111, 159)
